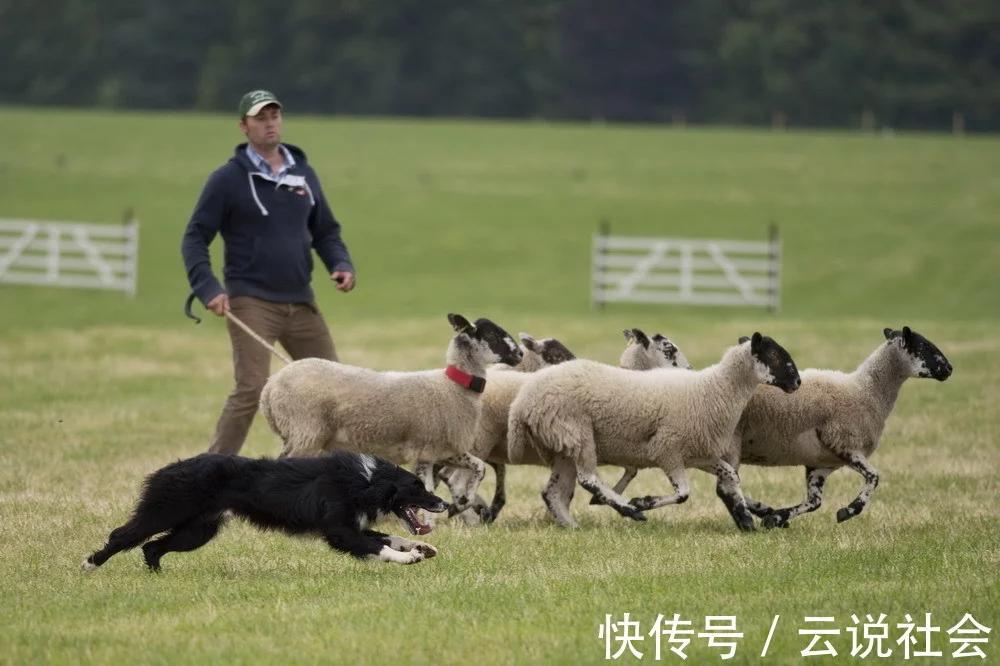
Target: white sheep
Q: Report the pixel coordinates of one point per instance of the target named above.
(536, 354)
(581, 414)
(642, 352)
(835, 419)
(496, 398)
(316, 405)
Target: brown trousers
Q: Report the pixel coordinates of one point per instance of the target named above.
(301, 330)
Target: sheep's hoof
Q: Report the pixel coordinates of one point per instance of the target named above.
(634, 514)
(844, 514)
(772, 520)
(642, 503)
(745, 523)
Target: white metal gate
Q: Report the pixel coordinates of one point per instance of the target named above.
(70, 254)
(689, 271)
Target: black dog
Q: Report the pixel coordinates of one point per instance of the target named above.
(336, 497)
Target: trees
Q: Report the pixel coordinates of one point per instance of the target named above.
(907, 63)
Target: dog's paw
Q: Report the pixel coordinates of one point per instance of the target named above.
(412, 557)
(427, 550)
(88, 566)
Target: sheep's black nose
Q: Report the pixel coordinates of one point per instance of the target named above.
(798, 382)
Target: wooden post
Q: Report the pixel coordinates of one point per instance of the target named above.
(867, 120)
(774, 289)
(958, 123)
(132, 227)
(603, 230)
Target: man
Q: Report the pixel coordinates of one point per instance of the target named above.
(267, 203)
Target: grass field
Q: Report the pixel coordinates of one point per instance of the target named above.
(490, 219)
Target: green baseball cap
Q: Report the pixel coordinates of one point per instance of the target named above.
(254, 101)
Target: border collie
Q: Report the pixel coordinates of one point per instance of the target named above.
(336, 496)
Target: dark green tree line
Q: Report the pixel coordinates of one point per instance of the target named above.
(905, 63)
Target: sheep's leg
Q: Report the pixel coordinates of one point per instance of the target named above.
(478, 512)
(728, 489)
(586, 475)
(815, 480)
(678, 479)
(757, 508)
(500, 493)
(465, 492)
(425, 472)
(859, 464)
(558, 492)
(627, 475)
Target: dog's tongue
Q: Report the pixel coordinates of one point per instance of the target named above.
(421, 528)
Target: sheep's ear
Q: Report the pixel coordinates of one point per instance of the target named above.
(629, 338)
(907, 336)
(529, 343)
(744, 339)
(641, 338)
(887, 332)
(755, 342)
(460, 323)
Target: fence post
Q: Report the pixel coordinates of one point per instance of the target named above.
(603, 230)
(132, 233)
(957, 123)
(774, 289)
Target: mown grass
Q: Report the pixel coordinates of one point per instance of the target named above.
(494, 220)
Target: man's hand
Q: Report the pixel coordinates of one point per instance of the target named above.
(344, 280)
(219, 305)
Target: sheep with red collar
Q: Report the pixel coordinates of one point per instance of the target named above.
(642, 352)
(315, 405)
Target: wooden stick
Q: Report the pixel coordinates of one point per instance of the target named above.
(250, 332)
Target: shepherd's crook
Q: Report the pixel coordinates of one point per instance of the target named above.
(236, 320)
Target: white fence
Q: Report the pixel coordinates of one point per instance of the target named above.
(687, 271)
(70, 254)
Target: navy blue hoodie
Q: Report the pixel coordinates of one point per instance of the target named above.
(269, 229)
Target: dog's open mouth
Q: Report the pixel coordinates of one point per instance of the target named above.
(409, 516)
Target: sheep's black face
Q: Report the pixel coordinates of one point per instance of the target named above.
(675, 358)
(774, 365)
(554, 352)
(503, 346)
(498, 345)
(410, 496)
(926, 360)
(550, 350)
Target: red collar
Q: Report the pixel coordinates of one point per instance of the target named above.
(477, 384)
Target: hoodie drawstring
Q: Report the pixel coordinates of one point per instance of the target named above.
(253, 190)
